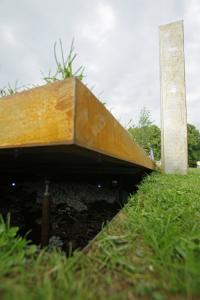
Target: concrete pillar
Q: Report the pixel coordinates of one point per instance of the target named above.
(173, 101)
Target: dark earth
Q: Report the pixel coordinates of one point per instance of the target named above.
(77, 211)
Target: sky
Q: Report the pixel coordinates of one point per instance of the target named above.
(116, 40)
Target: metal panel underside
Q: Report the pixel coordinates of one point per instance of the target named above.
(58, 161)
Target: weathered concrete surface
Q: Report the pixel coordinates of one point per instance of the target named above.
(173, 100)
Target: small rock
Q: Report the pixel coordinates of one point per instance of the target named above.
(55, 242)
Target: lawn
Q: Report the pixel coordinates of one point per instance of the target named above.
(151, 250)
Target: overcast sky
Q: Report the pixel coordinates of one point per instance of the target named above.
(116, 40)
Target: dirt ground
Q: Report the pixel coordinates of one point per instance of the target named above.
(77, 211)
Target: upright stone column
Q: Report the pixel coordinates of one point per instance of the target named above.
(173, 101)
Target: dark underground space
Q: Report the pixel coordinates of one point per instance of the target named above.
(64, 209)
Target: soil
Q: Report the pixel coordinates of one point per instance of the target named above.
(77, 211)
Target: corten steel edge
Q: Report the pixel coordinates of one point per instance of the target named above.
(62, 128)
(59, 130)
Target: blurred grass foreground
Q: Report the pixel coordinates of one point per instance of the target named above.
(151, 250)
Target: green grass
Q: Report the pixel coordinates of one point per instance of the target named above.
(64, 65)
(151, 250)
(64, 69)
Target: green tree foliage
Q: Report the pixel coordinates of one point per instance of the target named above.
(146, 134)
(193, 145)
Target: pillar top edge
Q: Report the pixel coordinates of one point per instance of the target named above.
(179, 22)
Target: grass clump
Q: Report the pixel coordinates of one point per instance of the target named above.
(64, 65)
(9, 90)
(14, 250)
(151, 250)
(64, 69)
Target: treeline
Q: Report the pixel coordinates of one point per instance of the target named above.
(148, 135)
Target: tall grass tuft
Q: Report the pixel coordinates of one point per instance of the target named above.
(64, 69)
(14, 250)
(64, 65)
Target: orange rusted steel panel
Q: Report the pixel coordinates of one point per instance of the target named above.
(67, 115)
(97, 129)
(40, 116)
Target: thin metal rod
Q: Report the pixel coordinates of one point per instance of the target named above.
(45, 216)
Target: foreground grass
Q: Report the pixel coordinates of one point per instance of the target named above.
(151, 250)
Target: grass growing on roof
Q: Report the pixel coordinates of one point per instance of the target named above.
(151, 250)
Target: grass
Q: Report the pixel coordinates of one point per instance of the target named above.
(151, 250)
(64, 65)
(64, 69)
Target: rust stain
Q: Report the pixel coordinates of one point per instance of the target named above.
(31, 117)
(62, 105)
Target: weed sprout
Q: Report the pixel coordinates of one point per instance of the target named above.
(64, 66)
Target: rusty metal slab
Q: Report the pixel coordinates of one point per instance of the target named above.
(64, 125)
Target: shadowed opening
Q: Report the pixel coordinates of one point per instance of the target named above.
(60, 200)
(78, 207)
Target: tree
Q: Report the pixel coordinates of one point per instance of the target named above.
(144, 118)
(146, 134)
(193, 145)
